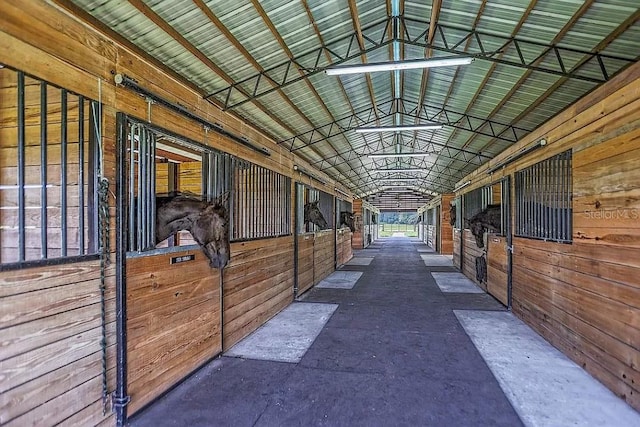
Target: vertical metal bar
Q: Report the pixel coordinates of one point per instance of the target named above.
(120, 397)
(553, 190)
(21, 168)
(81, 195)
(93, 164)
(569, 210)
(529, 200)
(130, 129)
(44, 164)
(152, 193)
(140, 224)
(204, 177)
(63, 172)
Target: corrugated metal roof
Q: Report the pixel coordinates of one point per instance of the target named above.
(318, 33)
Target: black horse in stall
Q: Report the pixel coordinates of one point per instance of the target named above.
(348, 219)
(487, 220)
(208, 223)
(312, 214)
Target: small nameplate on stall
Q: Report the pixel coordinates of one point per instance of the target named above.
(183, 258)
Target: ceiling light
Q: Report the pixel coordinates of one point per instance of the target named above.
(461, 186)
(398, 65)
(382, 156)
(426, 126)
(400, 170)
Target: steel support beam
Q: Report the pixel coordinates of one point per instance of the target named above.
(512, 51)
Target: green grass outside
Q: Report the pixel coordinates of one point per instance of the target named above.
(387, 230)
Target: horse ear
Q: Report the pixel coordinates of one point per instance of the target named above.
(222, 199)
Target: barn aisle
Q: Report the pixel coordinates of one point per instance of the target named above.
(394, 352)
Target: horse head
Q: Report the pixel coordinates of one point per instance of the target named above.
(312, 214)
(347, 218)
(486, 220)
(208, 223)
(452, 215)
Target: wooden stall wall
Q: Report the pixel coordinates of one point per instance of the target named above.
(306, 259)
(56, 376)
(584, 297)
(50, 327)
(357, 237)
(323, 255)
(457, 248)
(446, 230)
(173, 321)
(258, 283)
(471, 252)
(497, 267)
(344, 251)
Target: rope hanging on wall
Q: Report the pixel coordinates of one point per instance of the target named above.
(104, 242)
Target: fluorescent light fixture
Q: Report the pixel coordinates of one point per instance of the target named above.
(396, 179)
(426, 126)
(383, 156)
(400, 170)
(398, 65)
(342, 192)
(461, 186)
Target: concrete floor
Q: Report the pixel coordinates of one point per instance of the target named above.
(394, 350)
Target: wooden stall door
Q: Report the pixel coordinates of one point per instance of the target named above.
(173, 321)
(305, 259)
(323, 253)
(497, 268)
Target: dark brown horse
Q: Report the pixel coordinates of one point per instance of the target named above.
(208, 223)
(452, 215)
(487, 220)
(312, 214)
(347, 218)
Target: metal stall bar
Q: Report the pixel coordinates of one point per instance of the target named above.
(132, 148)
(21, 168)
(63, 172)
(120, 398)
(81, 195)
(43, 171)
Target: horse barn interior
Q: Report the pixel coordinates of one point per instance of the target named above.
(177, 175)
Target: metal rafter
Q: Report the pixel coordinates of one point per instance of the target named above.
(603, 44)
(427, 112)
(342, 50)
(489, 74)
(451, 39)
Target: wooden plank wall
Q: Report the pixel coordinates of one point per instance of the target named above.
(343, 244)
(323, 255)
(497, 267)
(50, 352)
(584, 297)
(56, 376)
(431, 236)
(258, 283)
(357, 238)
(305, 262)
(446, 230)
(471, 252)
(173, 321)
(457, 248)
